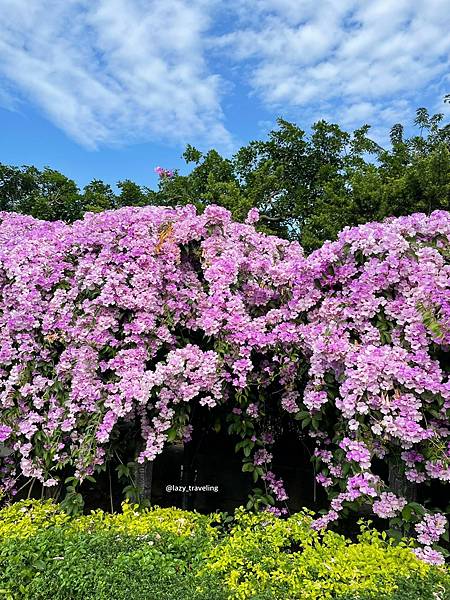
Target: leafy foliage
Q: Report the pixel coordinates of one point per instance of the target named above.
(306, 187)
(168, 553)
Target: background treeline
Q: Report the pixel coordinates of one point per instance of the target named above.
(307, 187)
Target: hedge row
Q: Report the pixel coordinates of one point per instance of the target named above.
(168, 554)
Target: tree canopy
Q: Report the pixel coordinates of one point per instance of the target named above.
(306, 186)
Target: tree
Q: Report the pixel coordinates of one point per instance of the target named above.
(132, 194)
(45, 194)
(16, 184)
(306, 187)
(98, 196)
(289, 178)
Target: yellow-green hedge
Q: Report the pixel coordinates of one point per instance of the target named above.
(170, 554)
(287, 559)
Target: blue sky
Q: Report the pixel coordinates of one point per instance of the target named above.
(110, 89)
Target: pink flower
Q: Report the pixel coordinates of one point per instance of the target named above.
(262, 457)
(135, 316)
(163, 172)
(431, 528)
(388, 505)
(252, 216)
(5, 432)
(430, 556)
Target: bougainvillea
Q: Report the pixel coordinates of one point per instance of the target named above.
(137, 314)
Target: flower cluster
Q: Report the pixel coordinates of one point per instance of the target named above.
(431, 528)
(388, 505)
(131, 316)
(162, 173)
(101, 323)
(356, 451)
(377, 340)
(275, 485)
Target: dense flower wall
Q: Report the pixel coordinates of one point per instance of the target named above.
(135, 315)
(378, 345)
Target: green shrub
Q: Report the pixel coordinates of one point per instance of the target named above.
(265, 558)
(99, 566)
(170, 554)
(152, 554)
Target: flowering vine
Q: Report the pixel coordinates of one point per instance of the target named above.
(134, 315)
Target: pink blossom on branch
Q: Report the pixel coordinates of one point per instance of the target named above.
(161, 172)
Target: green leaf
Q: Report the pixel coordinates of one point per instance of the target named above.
(171, 435)
(248, 467)
(418, 508)
(406, 513)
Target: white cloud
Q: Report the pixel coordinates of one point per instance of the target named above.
(351, 55)
(114, 71)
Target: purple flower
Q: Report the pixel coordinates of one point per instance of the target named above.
(252, 216)
(431, 528)
(161, 172)
(388, 505)
(430, 556)
(252, 410)
(262, 457)
(5, 432)
(136, 315)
